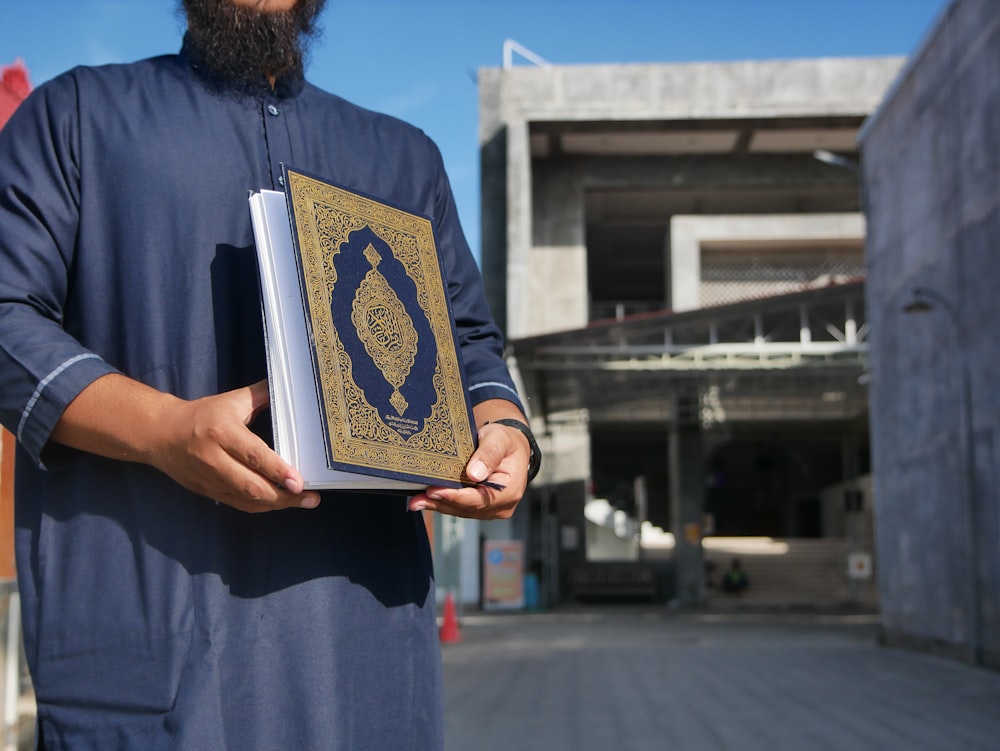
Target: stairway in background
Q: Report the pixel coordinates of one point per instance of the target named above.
(787, 572)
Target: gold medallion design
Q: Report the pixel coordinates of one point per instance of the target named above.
(385, 328)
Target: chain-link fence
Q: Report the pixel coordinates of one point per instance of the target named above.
(735, 274)
(732, 275)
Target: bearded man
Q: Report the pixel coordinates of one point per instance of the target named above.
(159, 613)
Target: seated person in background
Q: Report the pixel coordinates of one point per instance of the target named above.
(735, 578)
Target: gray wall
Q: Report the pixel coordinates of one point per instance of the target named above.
(931, 173)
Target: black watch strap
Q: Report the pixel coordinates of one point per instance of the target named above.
(535, 460)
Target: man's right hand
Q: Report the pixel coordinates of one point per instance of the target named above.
(204, 444)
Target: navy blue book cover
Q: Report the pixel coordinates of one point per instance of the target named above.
(387, 368)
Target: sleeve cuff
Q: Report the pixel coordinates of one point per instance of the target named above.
(51, 397)
(480, 392)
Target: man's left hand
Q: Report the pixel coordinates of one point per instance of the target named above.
(501, 459)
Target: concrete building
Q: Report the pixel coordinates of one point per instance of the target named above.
(681, 281)
(931, 166)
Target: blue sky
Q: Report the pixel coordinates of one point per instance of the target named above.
(417, 59)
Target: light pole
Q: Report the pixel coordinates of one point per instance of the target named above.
(924, 300)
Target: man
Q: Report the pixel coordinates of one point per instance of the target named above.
(131, 366)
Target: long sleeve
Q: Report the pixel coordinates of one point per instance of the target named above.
(42, 366)
(480, 339)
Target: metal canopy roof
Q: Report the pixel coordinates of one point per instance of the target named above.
(787, 357)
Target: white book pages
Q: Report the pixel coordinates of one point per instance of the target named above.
(295, 410)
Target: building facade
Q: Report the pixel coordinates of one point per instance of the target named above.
(676, 254)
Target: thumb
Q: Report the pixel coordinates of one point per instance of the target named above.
(260, 397)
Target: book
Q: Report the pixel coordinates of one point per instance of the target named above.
(366, 381)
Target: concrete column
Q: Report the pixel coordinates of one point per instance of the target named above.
(668, 272)
(493, 194)
(557, 269)
(518, 227)
(685, 266)
(687, 499)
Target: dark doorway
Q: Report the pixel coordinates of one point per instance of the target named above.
(619, 453)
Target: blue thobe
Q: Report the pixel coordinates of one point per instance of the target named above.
(154, 618)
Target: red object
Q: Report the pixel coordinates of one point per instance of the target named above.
(15, 85)
(449, 628)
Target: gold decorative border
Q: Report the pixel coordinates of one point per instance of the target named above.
(324, 215)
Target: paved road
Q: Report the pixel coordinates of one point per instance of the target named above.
(645, 680)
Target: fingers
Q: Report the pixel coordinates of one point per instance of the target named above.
(259, 480)
(485, 460)
(500, 473)
(254, 461)
(476, 502)
(260, 396)
(209, 449)
(502, 461)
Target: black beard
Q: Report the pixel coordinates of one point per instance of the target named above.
(247, 46)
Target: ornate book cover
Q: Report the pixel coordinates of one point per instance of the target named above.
(382, 353)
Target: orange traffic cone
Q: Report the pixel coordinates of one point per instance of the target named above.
(449, 628)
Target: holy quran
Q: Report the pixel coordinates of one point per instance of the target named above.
(366, 382)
